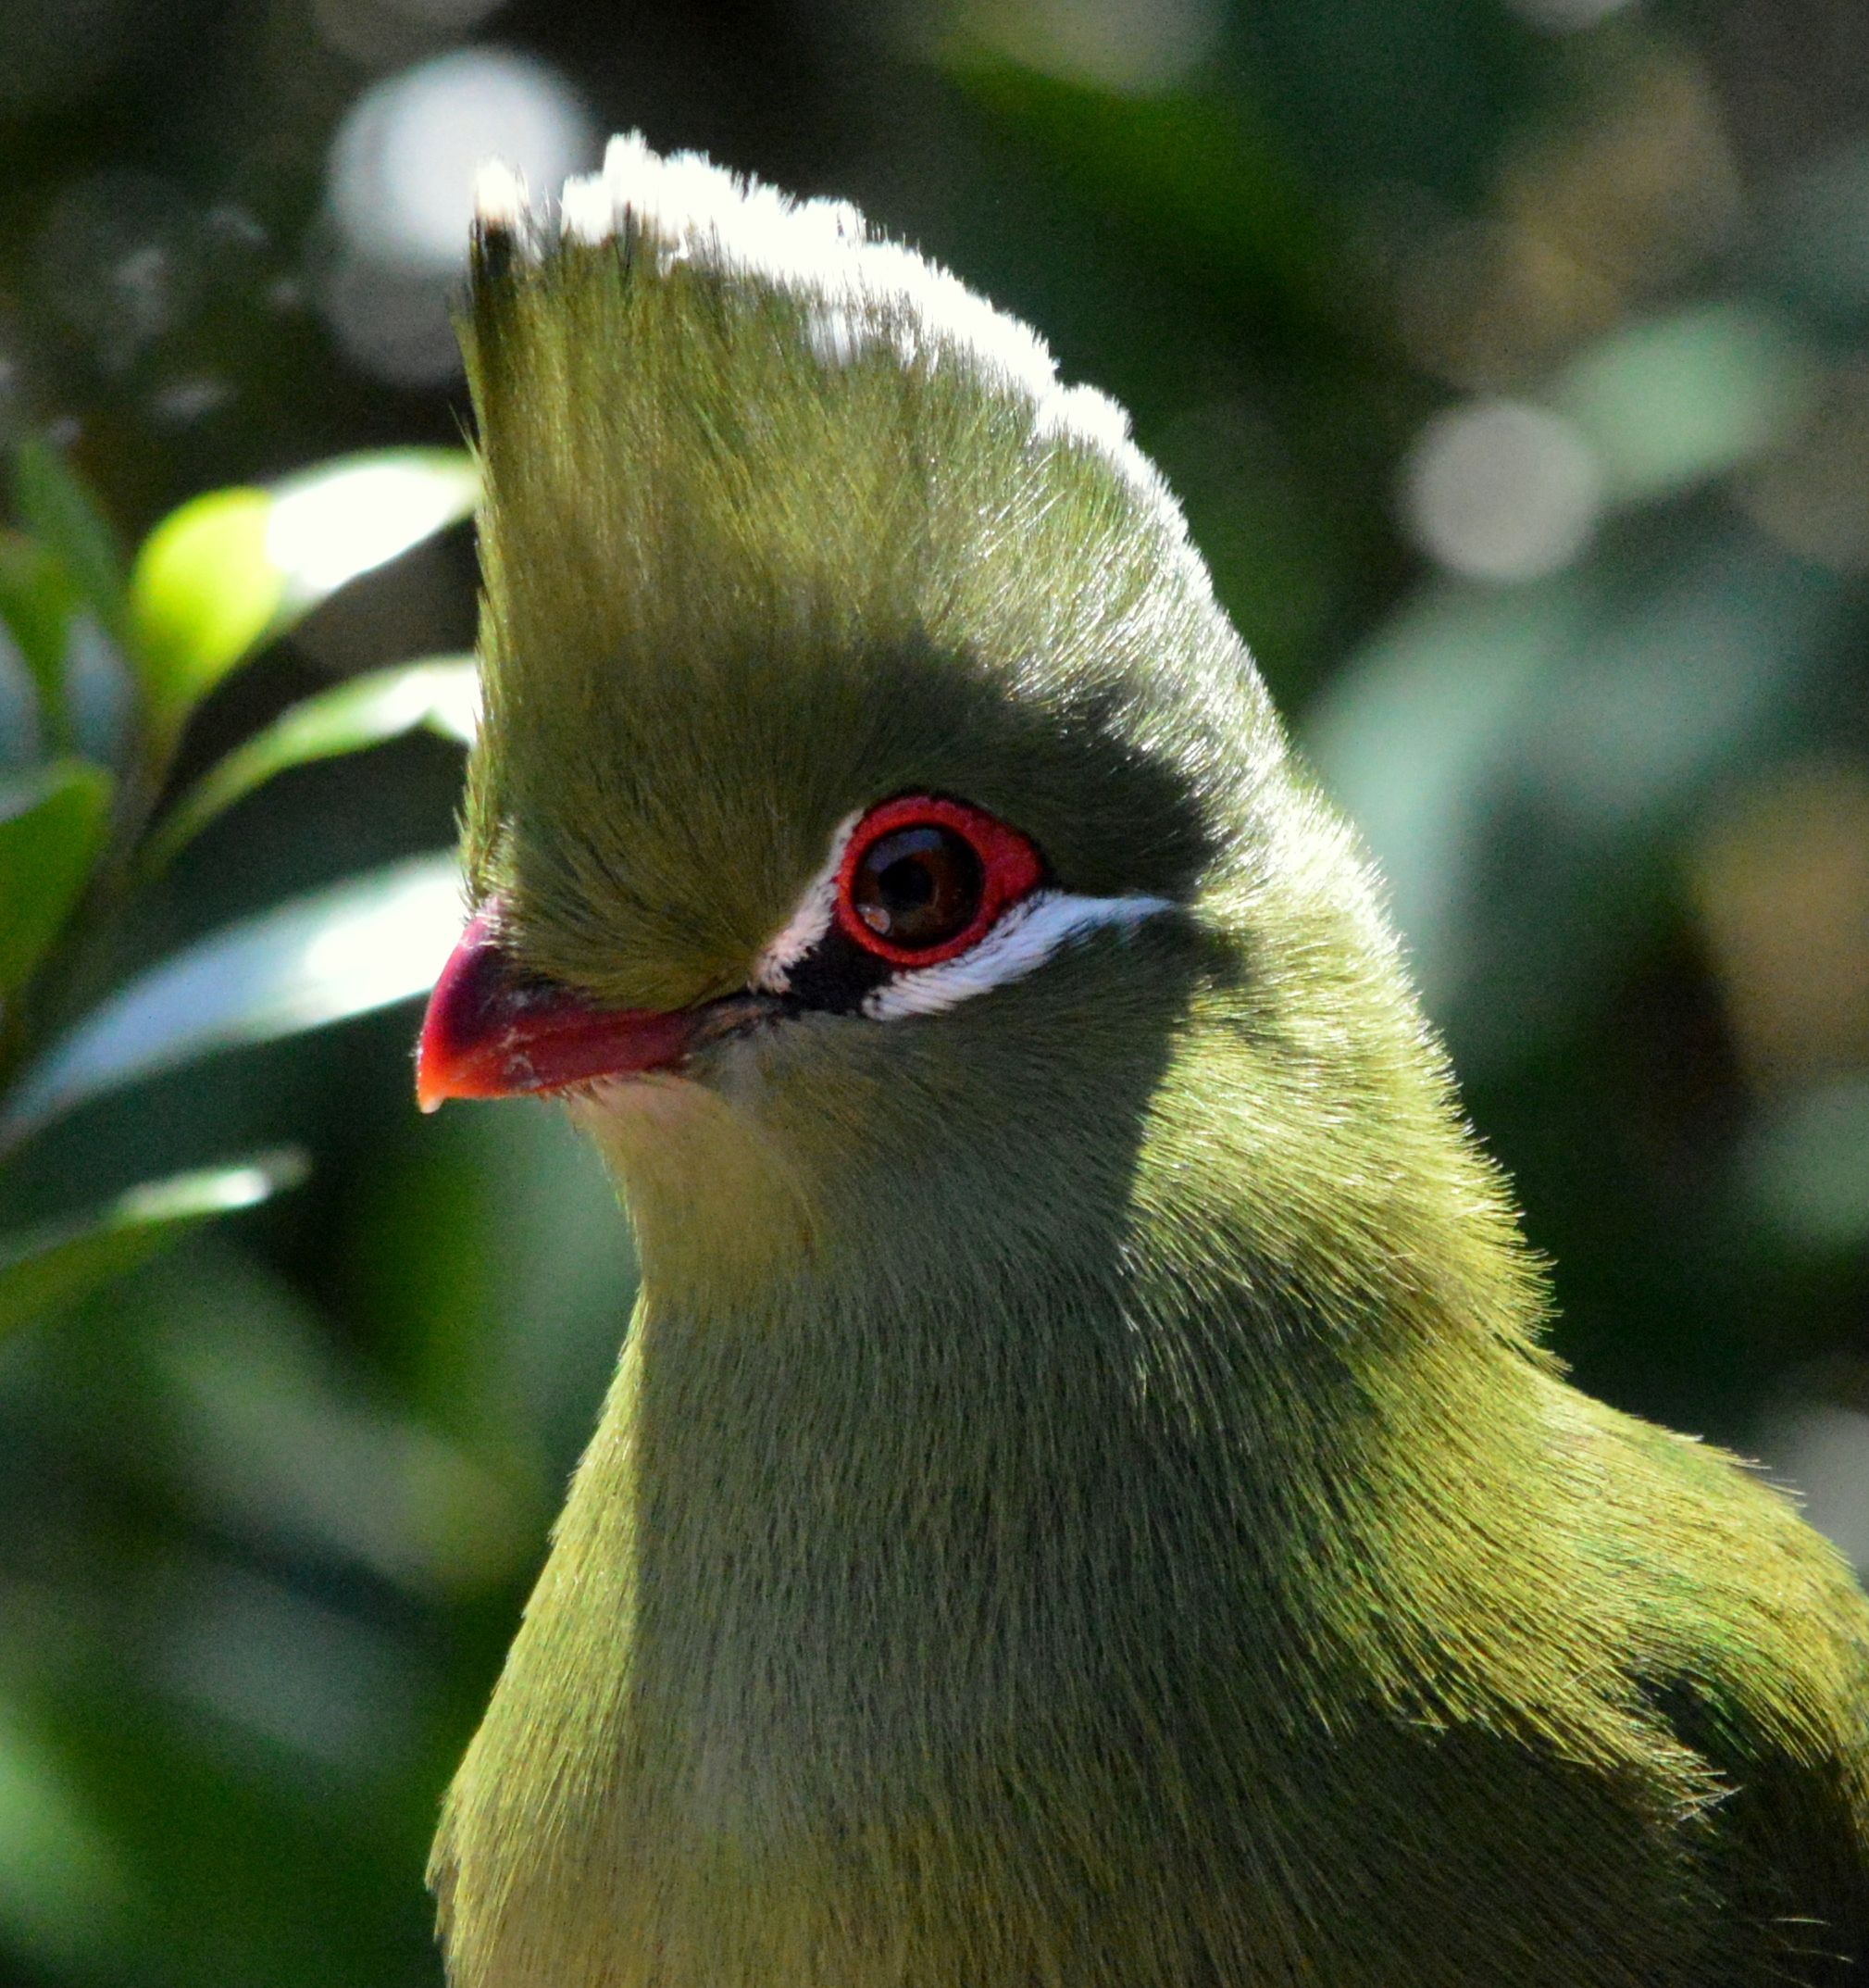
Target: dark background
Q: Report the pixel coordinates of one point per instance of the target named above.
(1513, 362)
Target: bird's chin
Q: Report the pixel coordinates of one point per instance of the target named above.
(676, 1125)
(646, 1098)
(717, 1201)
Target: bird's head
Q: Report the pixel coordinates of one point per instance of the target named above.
(871, 797)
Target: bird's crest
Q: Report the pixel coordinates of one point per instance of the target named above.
(730, 440)
(854, 292)
(677, 352)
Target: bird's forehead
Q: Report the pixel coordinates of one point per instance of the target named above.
(705, 782)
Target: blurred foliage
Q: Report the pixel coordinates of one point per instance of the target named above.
(1512, 357)
(210, 585)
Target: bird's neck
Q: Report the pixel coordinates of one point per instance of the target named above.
(846, 1529)
(1004, 1442)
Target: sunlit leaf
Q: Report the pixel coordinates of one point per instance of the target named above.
(50, 1268)
(440, 695)
(331, 523)
(234, 568)
(66, 1899)
(58, 508)
(322, 958)
(203, 593)
(51, 829)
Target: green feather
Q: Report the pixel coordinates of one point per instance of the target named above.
(1082, 1503)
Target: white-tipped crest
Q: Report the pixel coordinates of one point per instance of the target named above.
(859, 289)
(501, 202)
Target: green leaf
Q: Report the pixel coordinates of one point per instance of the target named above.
(56, 507)
(203, 593)
(50, 1268)
(359, 945)
(36, 598)
(233, 569)
(67, 1902)
(440, 694)
(51, 830)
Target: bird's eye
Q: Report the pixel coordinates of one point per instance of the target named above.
(924, 878)
(917, 887)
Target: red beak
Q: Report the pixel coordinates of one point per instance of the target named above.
(491, 1033)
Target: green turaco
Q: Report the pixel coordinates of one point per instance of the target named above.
(1082, 1503)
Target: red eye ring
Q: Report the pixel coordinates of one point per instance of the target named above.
(1010, 869)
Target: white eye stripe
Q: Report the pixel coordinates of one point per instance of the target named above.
(1027, 935)
(810, 919)
(1025, 938)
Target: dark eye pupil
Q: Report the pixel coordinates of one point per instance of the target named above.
(907, 885)
(917, 887)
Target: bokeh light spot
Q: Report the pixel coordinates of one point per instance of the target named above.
(1564, 17)
(1129, 47)
(401, 191)
(1500, 491)
(403, 163)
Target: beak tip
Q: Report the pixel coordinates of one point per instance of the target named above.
(432, 1090)
(444, 1071)
(449, 1025)
(489, 1033)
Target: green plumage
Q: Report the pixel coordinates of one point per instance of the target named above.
(1082, 1505)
